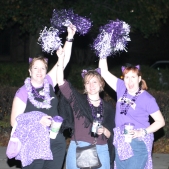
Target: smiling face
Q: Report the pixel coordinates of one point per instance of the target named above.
(132, 80)
(37, 72)
(92, 85)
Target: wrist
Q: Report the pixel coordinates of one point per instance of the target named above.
(144, 132)
(69, 39)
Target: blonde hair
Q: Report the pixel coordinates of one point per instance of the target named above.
(89, 75)
(142, 83)
(41, 58)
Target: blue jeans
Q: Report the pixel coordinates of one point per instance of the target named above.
(102, 151)
(138, 160)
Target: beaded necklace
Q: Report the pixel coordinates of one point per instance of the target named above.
(98, 110)
(32, 94)
(36, 94)
(125, 100)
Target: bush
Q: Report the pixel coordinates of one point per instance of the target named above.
(12, 76)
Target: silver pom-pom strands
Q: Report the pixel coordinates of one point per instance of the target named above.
(49, 40)
(63, 18)
(113, 38)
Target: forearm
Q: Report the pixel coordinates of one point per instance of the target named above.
(106, 132)
(68, 49)
(60, 73)
(103, 64)
(155, 126)
(158, 122)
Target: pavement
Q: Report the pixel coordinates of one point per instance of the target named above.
(160, 161)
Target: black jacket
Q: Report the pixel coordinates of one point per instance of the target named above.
(82, 108)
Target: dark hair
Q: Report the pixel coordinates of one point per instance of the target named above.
(130, 67)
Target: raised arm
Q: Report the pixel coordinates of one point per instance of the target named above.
(60, 74)
(110, 79)
(67, 48)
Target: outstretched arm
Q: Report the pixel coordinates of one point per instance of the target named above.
(67, 48)
(110, 79)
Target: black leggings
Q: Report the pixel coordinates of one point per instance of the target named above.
(58, 148)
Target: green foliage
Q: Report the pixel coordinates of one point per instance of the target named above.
(31, 15)
(13, 74)
(5, 123)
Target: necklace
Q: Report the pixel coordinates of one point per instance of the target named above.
(98, 110)
(32, 94)
(36, 94)
(125, 100)
(93, 100)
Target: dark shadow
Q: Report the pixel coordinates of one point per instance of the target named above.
(158, 134)
(110, 92)
(12, 162)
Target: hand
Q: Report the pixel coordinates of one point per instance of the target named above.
(46, 120)
(137, 133)
(100, 130)
(71, 29)
(60, 52)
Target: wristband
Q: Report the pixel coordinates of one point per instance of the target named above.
(69, 39)
(145, 132)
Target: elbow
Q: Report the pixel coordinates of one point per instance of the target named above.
(163, 123)
(12, 123)
(60, 83)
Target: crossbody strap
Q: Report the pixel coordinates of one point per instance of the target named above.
(94, 142)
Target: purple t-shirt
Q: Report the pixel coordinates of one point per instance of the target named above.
(23, 94)
(139, 112)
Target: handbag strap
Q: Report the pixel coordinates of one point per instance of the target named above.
(94, 142)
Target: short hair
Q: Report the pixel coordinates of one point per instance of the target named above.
(92, 73)
(41, 58)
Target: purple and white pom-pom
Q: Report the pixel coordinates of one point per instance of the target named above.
(61, 19)
(113, 38)
(82, 24)
(49, 40)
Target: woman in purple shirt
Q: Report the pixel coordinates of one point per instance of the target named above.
(37, 94)
(134, 105)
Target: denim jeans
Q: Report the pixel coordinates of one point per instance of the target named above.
(102, 151)
(138, 160)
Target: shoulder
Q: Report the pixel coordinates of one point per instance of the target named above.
(21, 90)
(120, 85)
(49, 79)
(147, 95)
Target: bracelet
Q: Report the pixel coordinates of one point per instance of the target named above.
(145, 132)
(69, 40)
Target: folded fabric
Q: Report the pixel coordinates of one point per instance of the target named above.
(14, 147)
(34, 138)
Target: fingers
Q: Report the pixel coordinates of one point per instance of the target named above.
(60, 52)
(46, 120)
(136, 133)
(71, 29)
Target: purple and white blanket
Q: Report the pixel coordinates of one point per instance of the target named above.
(34, 138)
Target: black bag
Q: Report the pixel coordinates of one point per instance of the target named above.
(87, 157)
